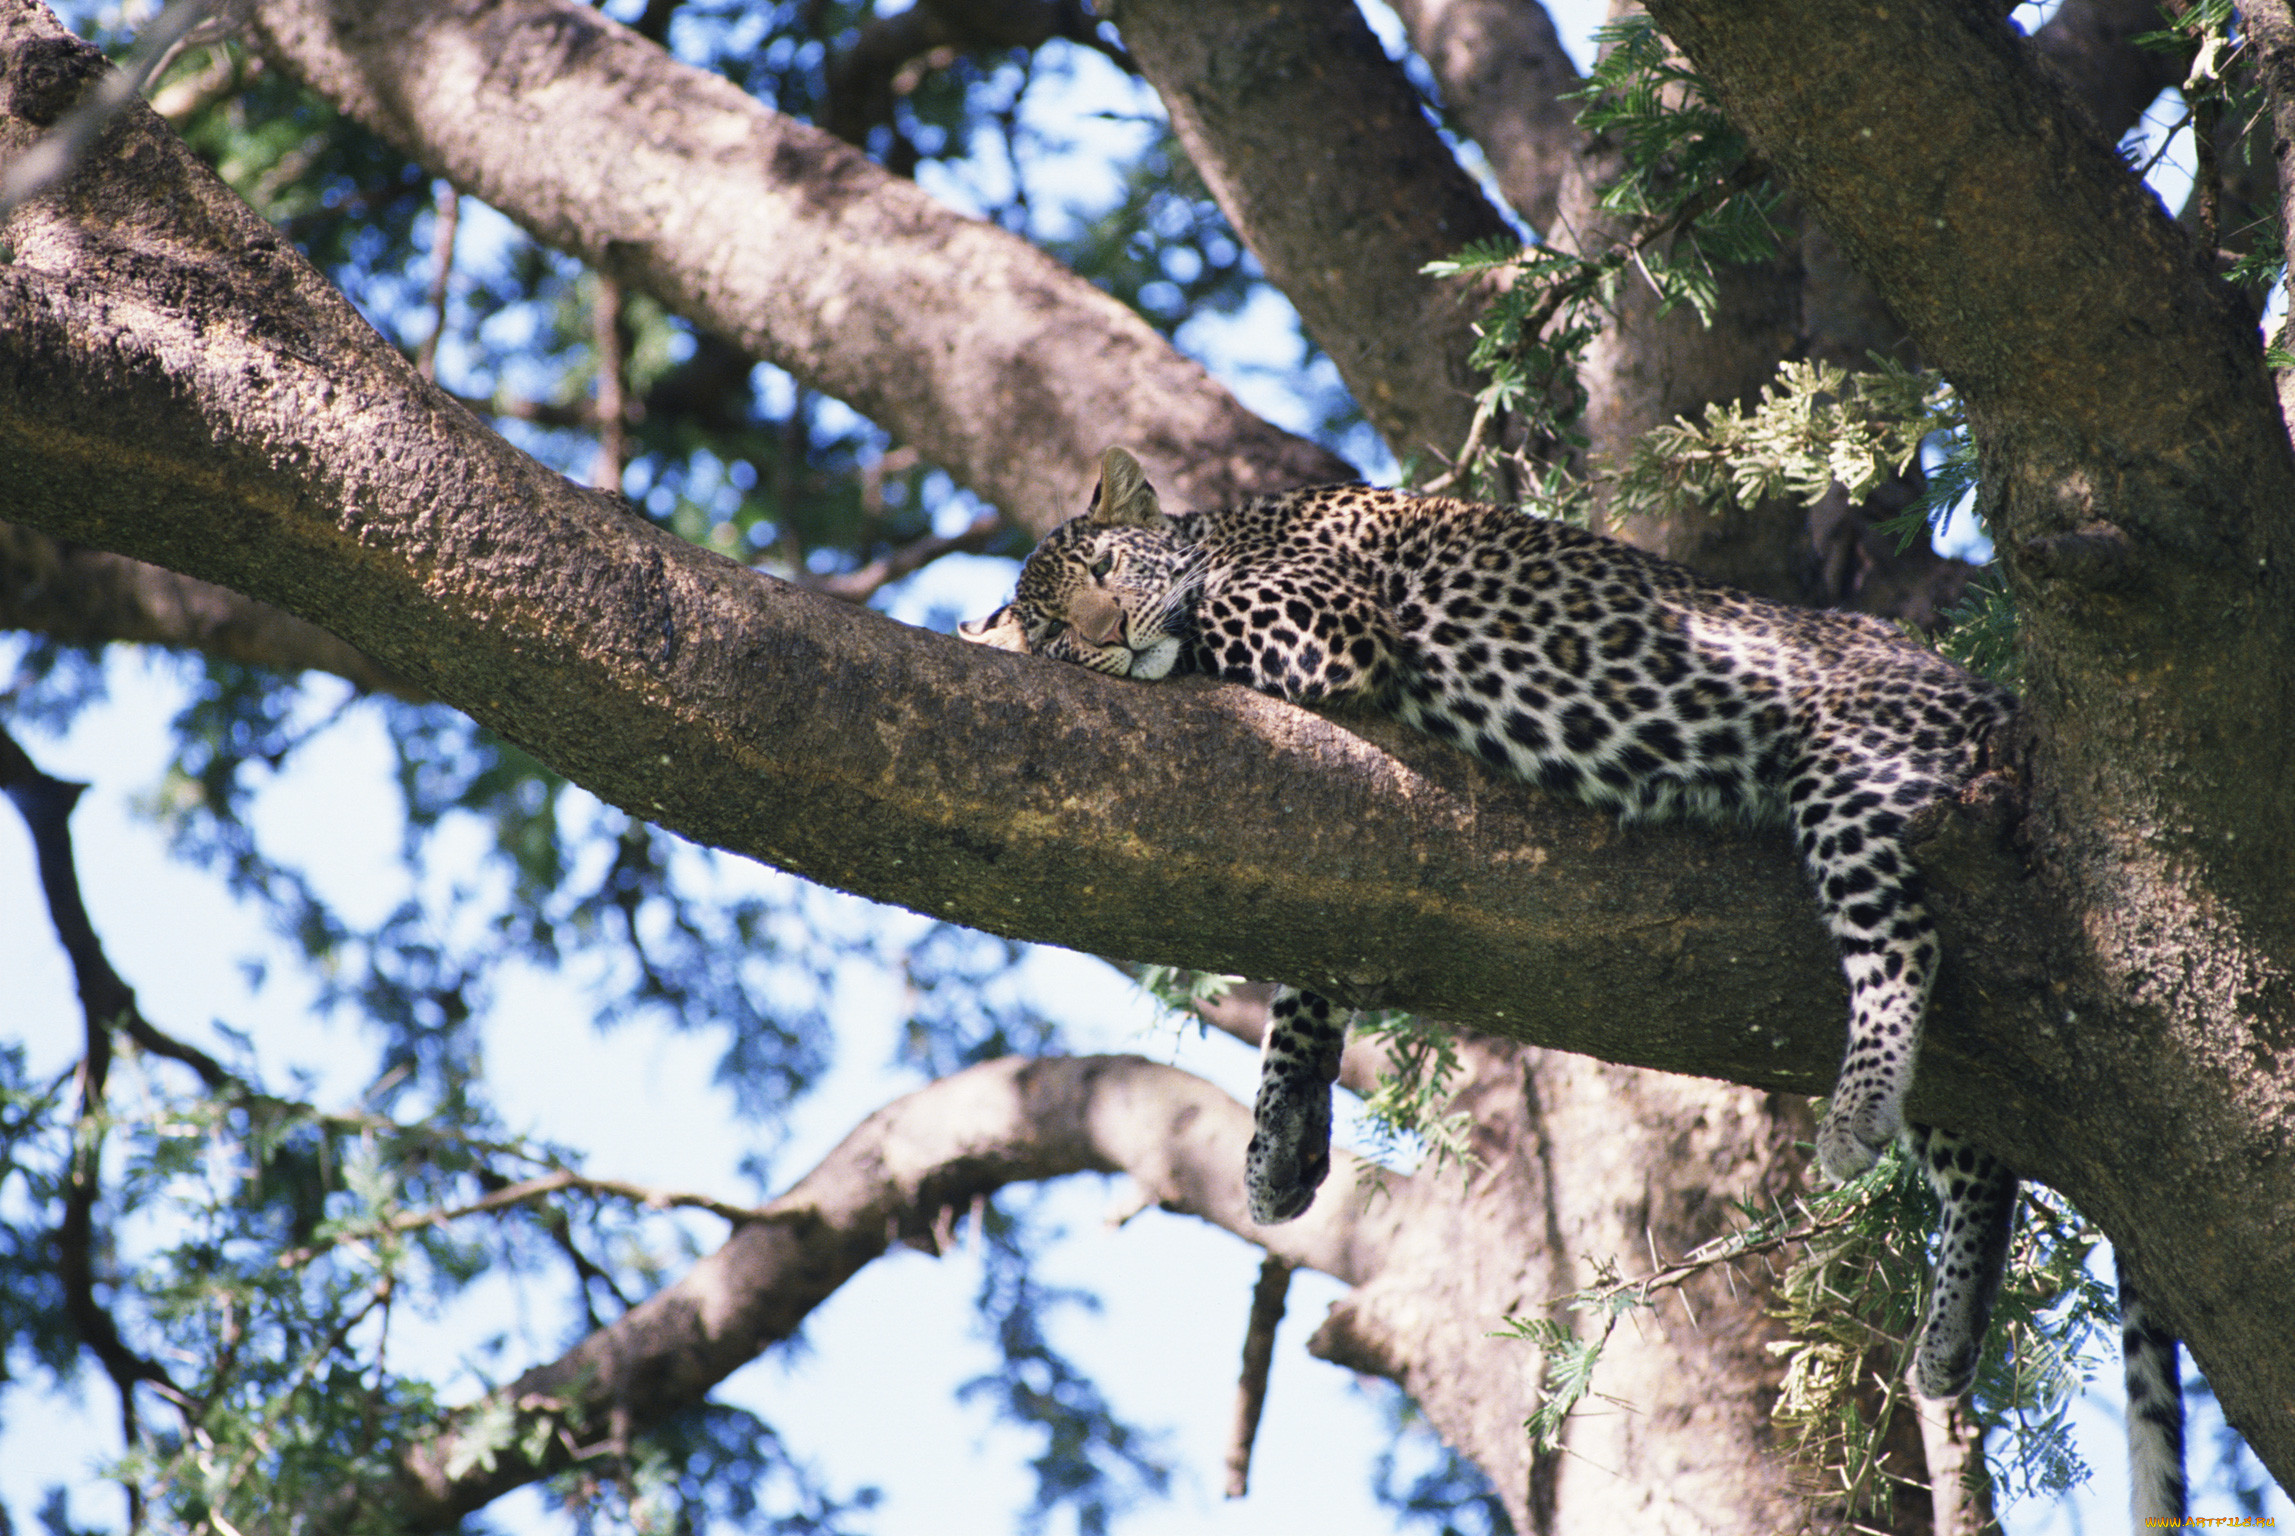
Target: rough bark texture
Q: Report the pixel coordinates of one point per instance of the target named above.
(1435, 1260)
(789, 242)
(1503, 73)
(1321, 156)
(179, 387)
(1583, 1165)
(2138, 468)
(2273, 26)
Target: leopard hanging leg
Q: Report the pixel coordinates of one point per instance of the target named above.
(1849, 821)
(1291, 1123)
(1978, 1193)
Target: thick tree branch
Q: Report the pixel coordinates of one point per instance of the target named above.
(2090, 43)
(2052, 343)
(175, 385)
(944, 330)
(1503, 73)
(1320, 154)
(168, 388)
(965, 1136)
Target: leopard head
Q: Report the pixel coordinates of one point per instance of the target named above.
(1112, 590)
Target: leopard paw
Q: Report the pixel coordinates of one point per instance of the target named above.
(1854, 1134)
(1290, 1152)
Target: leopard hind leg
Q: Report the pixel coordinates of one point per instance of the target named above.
(1290, 1151)
(1978, 1194)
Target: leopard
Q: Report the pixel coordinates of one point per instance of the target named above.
(1605, 673)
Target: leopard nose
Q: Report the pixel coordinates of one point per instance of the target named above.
(1097, 617)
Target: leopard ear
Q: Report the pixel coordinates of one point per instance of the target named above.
(1123, 498)
(1000, 631)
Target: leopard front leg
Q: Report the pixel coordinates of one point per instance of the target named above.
(1978, 1193)
(1888, 994)
(1849, 822)
(1290, 1148)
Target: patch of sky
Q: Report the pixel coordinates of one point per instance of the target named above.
(1074, 118)
(1958, 535)
(2034, 16)
(2226, 1480)
(2160, 146)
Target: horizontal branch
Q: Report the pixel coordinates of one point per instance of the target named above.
(177, 387)
(524, 1192)
(935, 1150)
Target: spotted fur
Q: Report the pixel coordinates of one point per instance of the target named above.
(1596, 670)
(2153, 1368)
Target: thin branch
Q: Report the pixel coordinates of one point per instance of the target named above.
(859, 586)
(226, 73)
(1258, 1356)
(106, 1002)
(520, 1193)
(1724, 1250)
(1952, 1445)
(446, 221)
(936, 1149)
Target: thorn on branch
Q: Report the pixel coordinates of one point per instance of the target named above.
(1267, 1299)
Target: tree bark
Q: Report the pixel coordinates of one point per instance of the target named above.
(87, 597)
(2137, 469)
(1503, 73)
(968, 1134)
(1321, 156)
(794, 245)
(180, 387)
(1434, 1261)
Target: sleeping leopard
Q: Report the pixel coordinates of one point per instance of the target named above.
(1603, 672)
